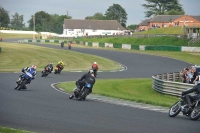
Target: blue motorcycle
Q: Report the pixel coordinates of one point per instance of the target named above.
(24, 79)
(81, 94)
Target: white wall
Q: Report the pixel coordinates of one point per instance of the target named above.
(89, 32)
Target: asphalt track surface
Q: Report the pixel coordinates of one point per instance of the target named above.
(43, 109)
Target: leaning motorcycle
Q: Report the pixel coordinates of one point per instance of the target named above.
(45, 72)
(58, 69)
(25, 78)
(81, 94)
(62, 44)
(180, 106)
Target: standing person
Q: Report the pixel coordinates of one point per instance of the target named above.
(95, 68)
(184, 75)
(195, 77)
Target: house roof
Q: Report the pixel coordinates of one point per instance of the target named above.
(145, 22)
(165, 18)
(196, 17)
(92, 24)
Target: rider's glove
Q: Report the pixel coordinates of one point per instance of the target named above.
(183, 93)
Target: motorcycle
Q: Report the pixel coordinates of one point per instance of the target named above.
(45, 72)
(180, 106)
(25, 79)
(69, 46)
(62, 44)
(81, 94)
(58, 69)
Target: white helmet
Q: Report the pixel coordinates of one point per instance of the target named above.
(95, 62)
(90, 71)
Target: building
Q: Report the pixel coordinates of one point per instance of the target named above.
(144, 25)
(77, 27)
(170, 20)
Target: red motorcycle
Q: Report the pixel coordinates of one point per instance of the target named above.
(46, 72)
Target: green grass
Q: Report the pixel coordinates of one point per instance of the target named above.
(11, 130)
(16, 56)
(138, 90)
(9, 35)
(165, 30)
(171, 41)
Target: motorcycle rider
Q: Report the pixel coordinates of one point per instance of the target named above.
(86, 78)
(190, 98)
(50, 66)
(69, 45)
(60, 64)
(31, 70)
(62, 44)
(95, 68)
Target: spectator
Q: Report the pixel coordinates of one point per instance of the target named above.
(195, 77)
(184, 75)
(189, 75)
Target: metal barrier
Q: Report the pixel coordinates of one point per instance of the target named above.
(165, 83)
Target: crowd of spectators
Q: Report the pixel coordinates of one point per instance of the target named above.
(189, 75)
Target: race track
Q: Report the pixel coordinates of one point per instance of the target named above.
(43, 109)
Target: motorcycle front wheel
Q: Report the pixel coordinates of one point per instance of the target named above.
(175, 109)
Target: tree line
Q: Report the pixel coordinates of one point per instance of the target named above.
(43, 21)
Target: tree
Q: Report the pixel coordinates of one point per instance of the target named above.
(132, 27)
(4, 17)
(43, 21)
(116, 12)
(59, 20)
(160, 7)
(17, 21)
(175, 12)
(47, 22)
(96, 16)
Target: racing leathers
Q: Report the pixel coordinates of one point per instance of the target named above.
(50, 67)
(29, 70)
(87, 78)
(190, 98)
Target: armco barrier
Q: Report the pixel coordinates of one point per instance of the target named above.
(127, 46)
(165, 83)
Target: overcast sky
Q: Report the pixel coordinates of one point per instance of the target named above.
(79, 9)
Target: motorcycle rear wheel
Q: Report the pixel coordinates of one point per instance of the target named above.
(195, 114)
(23, 83)
(83, 94)
(175, 109)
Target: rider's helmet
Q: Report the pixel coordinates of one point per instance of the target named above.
(90, 71)
(34, 67)
(95, 62)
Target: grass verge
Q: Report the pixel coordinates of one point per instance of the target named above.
(16, 56)
(9, 35)
(138, 90)
(11, 130)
